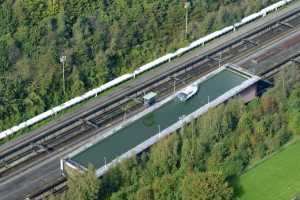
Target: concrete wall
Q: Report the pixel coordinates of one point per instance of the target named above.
(249, 93)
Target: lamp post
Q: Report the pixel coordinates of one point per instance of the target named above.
(181, 119)
(186, 6)
(125, 108)
(158, 130)
(220, 59)
(174, 86)
(63, 60)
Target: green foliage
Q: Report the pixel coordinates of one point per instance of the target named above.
(205, 186)
(165, 156)
(294, 109)
(8, 21)
(145, 193)
(294, 121)
(165, 187)
(83, 186)
(4, 59)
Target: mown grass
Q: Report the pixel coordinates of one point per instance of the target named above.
(277, 178)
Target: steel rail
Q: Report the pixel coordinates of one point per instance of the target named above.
(286, 60)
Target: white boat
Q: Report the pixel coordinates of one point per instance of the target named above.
(186, 93)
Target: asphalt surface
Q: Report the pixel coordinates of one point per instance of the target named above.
(44, 172)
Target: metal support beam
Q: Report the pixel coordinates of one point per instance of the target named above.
(90, 123)
(40, 146)
(137, 100)
(286, 24)
(296, 61)
(213, 59)
(250, 42)
(177, 79)
(4, 164)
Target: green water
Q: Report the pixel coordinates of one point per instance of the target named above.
(146, 127)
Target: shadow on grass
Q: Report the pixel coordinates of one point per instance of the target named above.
(238, 190)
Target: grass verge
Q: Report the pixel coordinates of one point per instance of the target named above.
(277, 178)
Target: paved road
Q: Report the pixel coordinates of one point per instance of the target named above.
(18, 186)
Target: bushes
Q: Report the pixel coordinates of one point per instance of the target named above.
(205, 186)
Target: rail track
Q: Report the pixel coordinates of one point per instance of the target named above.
(18, 158)
(61, 185)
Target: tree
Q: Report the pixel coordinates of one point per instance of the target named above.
(8, 22)
(294, 122)
(165, 188)
(205, 186)
(193, 154)
(144, 193)
(218, 154)
(4, 57)
(165, 156)
(83, 186)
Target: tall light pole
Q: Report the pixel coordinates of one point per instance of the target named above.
(220, 59)
(125, 108)
(105, 162)
(174, 86)
(186, 6)
(63, 60)
(158, 130)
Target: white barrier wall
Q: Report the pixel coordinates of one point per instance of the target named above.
(142, 69)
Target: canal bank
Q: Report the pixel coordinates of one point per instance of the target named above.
(141, 131)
